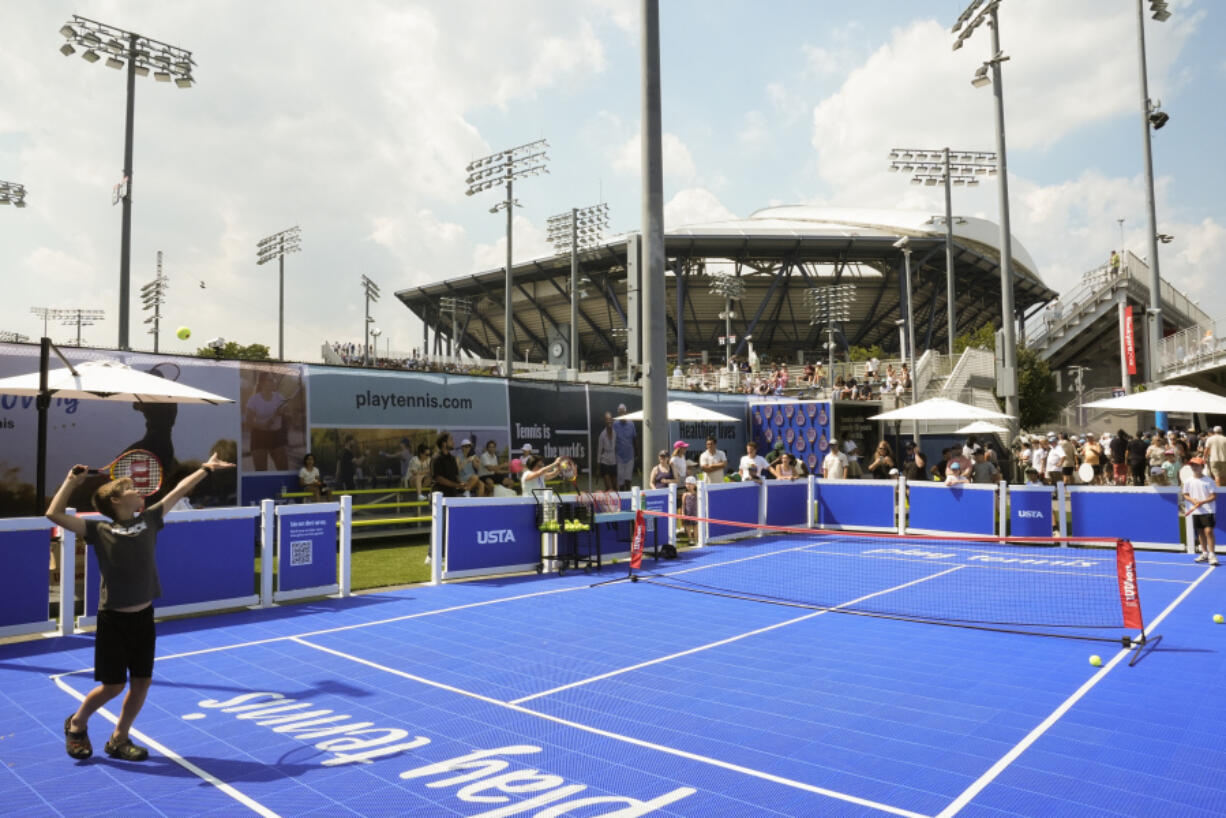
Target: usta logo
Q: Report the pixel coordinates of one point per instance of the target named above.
(1031, 514)
(495, 535)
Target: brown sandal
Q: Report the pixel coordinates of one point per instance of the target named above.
(125, 750)
(77, 744)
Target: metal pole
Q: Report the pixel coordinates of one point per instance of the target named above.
(43, 403)
(508, 362)
(366, 332)
(1154, 324)
(655, 391)
(574, 288)
(125, 235)
(906, 255)
(1006, 241)
(281, 305)
(949, 259)
(728, 331)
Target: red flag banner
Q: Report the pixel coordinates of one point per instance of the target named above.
(1126, 571)
(636, 544)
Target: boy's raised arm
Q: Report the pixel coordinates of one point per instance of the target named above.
(188, 483)
(57, 511)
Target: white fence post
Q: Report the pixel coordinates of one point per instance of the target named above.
(1061, 493)
(68, 579)
(346, 577)
(811, 503)
(437, 513)
(1002, 523)
(268, 536)
(900, 499)
(703, 502)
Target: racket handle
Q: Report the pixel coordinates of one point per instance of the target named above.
(83, 470)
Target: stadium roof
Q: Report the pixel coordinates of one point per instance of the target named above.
(780, 252)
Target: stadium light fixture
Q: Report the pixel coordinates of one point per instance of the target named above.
(580, 229)
(976, 14)
(139, 53)
(278, 246)
(828, 304)
(153, 296)
(732, 288)
(1152, 116)
(12, 193)
(70, 316)
(371, 291)
(504, 168)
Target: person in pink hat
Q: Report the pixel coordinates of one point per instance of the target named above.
(681, 466)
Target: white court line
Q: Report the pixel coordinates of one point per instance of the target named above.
(1008, 758)
(245, 800)
(339, 628)
(727, 765)
(730, 639)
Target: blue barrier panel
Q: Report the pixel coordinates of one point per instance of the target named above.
(657, 500)
(306, 551)
(1146, 515)
(737, 502)
(785, 502)
(1219, 527)
(483, 535)
(1030, 511)
(867, 505)
(24, 593)
(940, 509)
(199, 561)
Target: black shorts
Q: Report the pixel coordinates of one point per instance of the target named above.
(1200, 521)
(608, 470)
(263, 440)
(123, 644)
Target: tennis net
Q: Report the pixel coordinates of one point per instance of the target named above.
(1075, 588)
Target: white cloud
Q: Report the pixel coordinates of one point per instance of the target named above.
(694, 206)
(755, 132)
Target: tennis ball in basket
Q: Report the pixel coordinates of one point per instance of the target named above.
(1218, 618)
(1096, 660)
(184, 333)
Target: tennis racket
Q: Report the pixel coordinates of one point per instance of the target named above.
(289, 387)
(142, 467)
(567, 470)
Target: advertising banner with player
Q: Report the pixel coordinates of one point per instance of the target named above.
(553, 419)
(96, 432)
(628, 440)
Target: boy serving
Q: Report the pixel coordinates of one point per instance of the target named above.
(125, 546)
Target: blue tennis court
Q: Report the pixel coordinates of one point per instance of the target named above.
(548, 696)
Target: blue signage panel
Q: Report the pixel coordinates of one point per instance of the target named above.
(306, 551)
(785, 502)
(1030, 511)
(356, 398)
(863, 504)
(491, 535)
(198, 561)
(738, 503)
(956, 509)
(1140, 515)
(24, 595)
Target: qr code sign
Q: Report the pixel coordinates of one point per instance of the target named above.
(300, 553)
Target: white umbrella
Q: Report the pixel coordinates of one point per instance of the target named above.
(684, 410)
(941, 409)
(981, 427)
(1184, 399)
(109, 380)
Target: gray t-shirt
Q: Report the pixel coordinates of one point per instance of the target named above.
(984, 472)
(126, 551)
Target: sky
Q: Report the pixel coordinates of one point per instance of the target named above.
(355, 120)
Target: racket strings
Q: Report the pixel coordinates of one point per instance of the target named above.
(142, 468)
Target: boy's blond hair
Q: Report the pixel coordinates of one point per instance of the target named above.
(104, 497)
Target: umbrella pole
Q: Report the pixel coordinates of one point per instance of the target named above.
(43, 403)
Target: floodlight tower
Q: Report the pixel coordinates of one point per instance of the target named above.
(142, 54)
(732, 288)
(1153, 116)
(966, 25)
(71, 316)
(501, 168)
(960, 168)
(828, 304)
(580, 229)
(371, 291)
(153, 296)
(12, 193)
(277, 246)
(459, 309)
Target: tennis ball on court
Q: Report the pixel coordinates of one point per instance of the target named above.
(1218, 618)
(184, 333)
(1096, 660)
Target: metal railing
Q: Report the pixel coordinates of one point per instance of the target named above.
(1198, 347)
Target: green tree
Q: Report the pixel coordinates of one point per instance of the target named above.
(235, 352)
(1036, 390)
(865, 353)
(984, 337)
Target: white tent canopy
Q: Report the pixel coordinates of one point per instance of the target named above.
(684, 410)
(1185, 399)
(109, 380)
(941, 409)
(981, 427)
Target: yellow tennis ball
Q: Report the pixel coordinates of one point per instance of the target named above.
(184, 333)
(1218, 618)
(1096, 660)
